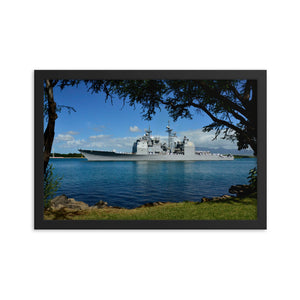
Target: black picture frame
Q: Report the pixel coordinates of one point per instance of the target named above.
(259, 75)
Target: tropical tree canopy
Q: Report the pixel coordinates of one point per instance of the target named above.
(231, 104)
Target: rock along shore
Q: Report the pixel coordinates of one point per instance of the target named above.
(66, 204)
(63, 202)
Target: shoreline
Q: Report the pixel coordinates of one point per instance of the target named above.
(218, 208)
(59, 157)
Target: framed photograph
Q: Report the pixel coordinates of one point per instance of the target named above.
(150, 149)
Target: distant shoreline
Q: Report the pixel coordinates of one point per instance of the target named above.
(67, 155)
(243, 156)
(59, 157)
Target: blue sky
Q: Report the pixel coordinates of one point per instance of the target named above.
(99, 125)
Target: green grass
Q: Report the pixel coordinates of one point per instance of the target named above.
(230, 209)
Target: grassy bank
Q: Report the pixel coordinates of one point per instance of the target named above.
(229, 209)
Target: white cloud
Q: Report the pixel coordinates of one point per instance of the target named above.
(67, 141)
(63, 138)
(205, 139)
(75, 143)
(134, 129)
(98, 137)
(72, 132)
(107, 142)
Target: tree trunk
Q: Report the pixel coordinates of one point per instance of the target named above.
(52, 116)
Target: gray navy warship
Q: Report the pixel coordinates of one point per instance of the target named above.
(148, 148)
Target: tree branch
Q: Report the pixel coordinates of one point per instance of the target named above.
(240, 97)
(219, 121)
(225, 100)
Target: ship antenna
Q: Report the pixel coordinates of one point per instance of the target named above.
(148, 132)
(169, 130)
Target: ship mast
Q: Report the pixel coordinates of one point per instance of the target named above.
(148, 135)
(169, 131)
(148, 132)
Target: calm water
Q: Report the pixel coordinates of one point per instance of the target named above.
(130, 184)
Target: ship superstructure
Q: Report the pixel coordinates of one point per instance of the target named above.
(149, 148)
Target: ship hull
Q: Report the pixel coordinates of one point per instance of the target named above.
(93, 155)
